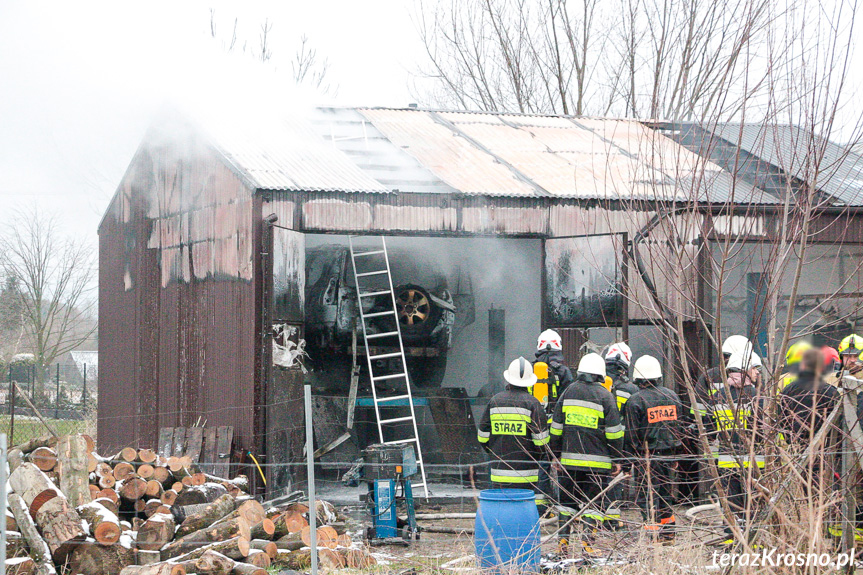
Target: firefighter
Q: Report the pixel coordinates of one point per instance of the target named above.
(736, 412)
(732, 344)
(549, 350)
(792, 363)
(587, 438)
(850, 349)
(618, 357)
(653, 437)
(514, 430)
(832, 365)
(806, 402)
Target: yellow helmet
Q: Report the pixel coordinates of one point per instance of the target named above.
(851, 345)
(796, 351)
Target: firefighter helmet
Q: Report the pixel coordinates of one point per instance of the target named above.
(851, 345)
(647, 367)
(796, 351)
(744, 361)
(520, 373)
(592, 364)
(734, 344)
(619, 352)
(549, 339)
(831, 356)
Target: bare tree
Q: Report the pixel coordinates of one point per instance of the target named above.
(54, 277)
(309, 69)
(669, 59)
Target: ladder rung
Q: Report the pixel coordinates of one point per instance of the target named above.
(420, 484)
(371, 253)
(396, 419)
(393, 398)
(386, 355)
(374, 293)
(385, 334)
(400, 441)
(380, 313)
(393, 376)
(374, 273)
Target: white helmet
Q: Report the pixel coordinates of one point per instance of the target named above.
(743, 360)
(549, 339)
(647, 367)
(520, 373)
(735, 344)
(593, 364)
(620, 352)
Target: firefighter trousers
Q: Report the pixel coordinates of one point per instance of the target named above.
(654, 489)
(577, 487)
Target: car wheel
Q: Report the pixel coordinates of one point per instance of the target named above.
(416, 313)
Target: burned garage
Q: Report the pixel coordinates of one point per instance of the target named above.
(238, 262)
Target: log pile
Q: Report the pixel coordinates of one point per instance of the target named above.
(138, 513)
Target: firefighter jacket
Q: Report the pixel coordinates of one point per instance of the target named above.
(623, 389)
(737, 417)
(559, 374)
(653, 420)
(586, 431)
(706, 383)
(804, 405)
(515, 431)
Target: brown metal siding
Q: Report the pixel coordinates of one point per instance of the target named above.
(177, 304)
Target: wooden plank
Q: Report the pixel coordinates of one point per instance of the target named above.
(223, 450)
(194, 437)
(179, 447)
(166, 441)
(209, 463)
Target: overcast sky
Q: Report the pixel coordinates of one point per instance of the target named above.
(81, 80)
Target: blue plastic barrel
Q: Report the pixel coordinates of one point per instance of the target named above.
(507, 530)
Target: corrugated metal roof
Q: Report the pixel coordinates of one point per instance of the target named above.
(838, 172)
(288, 155)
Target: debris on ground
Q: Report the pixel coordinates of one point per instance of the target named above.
(138, 513)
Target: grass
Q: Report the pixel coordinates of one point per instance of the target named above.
(27, 427)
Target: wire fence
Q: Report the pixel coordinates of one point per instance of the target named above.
(59, 399)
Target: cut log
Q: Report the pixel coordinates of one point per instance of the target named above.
(154, 569)
(259, 558)
(92, 462)
(44, 458)
(38, 548)
(11, 523)
(187, 481)
(268, 547)
(153, 506)
(144, 557)
(104, 525)
(91, 445)
(136, 524)
(110, 494)
(146, 455)
(108, 504)
(240, 481)
(72, 469)
(247, 569)
(289, 522)
(344, 540)
(162, 474)
(290, 542)
(123, 470)
(20, 566)
(129, 454)
(236, 548)
(15, 457)
(219, 508)
(139, 505)
(61, 527)
(200, 479)
(328, 560)
(263, 530)
(154, 488)
(107, 482)
(169, 497)
(29, 482)
(250, 510)
(197, 494)
(237, 527)
(210, 563)
(90, 559)
(94, 491)
(177, 486)
(358, 559)
(326, 512)
(44, 441)
(133, 488)
(157, 531)
(146, 471)
(327, 537)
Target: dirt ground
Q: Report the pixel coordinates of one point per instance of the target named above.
(624, 551)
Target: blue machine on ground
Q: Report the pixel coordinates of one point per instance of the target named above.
(386, 470)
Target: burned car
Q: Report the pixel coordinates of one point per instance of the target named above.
(425, 310)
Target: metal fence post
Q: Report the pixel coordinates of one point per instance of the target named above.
(3, 502)
(13, 390)
(84, 391)
(57, 395)
(310, 466)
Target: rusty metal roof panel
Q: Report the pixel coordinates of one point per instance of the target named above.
(289, 155)
(447, 154)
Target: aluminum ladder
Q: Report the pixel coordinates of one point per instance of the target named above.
(373, 279)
